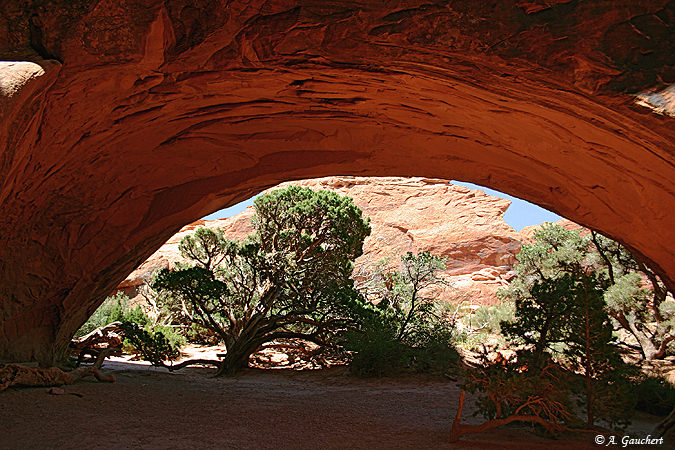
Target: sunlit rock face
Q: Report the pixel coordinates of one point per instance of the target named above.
(463, 225)
(661, 101)
(149, 114)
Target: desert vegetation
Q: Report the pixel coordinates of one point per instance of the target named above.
(291, 279)
(576, 297)
(571, 346)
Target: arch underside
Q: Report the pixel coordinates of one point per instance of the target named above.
(133, 134)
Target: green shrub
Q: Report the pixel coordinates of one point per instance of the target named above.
(401, 327)
(114, 309)
(136, 315)
(434, 351)
(655, 396)
(377, 353)
(490, 317)
(154, 344)
(111, 310)
(173, 335)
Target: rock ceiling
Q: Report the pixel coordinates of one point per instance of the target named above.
(121, 121)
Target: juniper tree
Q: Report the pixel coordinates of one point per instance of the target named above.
(546, 273)
(560, 310)
(289, 279)
(637, 299)
(591, 351)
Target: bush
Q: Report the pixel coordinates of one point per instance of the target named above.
(655, 396)
(114, 309)
(154, 344)
(400, 326)
(432, 350)
(111, 310)
(377, 351)
(136, 315)
(489, 318)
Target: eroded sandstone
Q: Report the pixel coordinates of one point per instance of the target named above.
(154, 113)
(463, 225)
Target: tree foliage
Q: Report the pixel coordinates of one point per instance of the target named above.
(401, 327)
(406, 300)
(290, 279)
(637, 299)
(111, 310)
(154, 344)
(591, 351)
(559, 293)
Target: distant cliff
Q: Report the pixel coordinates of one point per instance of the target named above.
(407, 214)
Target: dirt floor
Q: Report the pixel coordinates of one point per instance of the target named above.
(260, 409)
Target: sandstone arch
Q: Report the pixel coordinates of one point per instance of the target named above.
(139, 117)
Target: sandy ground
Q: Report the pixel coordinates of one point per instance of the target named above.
(260, 409)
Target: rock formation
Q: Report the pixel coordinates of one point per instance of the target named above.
(145, 115)
(464, 225)
(527, 233)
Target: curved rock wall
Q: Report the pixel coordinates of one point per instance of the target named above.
(465, 226)
(154, 113)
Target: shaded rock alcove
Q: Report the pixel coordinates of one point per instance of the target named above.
(122, 121)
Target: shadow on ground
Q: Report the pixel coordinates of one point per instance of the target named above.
(151, 408)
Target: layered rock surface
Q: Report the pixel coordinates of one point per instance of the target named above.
(147, 115)
(464, 225)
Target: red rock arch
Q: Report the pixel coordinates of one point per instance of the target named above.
(139, 119)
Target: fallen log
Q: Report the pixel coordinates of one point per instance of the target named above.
(102, 337)
(13, 375)
(99, 344)
(192, 362)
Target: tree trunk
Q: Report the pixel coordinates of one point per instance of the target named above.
(588, 369)
(404, 325)
(647, 347)
(541, 344)
(236, 358)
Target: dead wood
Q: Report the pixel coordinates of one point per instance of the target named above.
(102, 337)
(99, 344)
(459, 429)
(17, 375)
(192, 362)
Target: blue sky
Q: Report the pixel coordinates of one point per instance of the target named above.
(520, 214)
